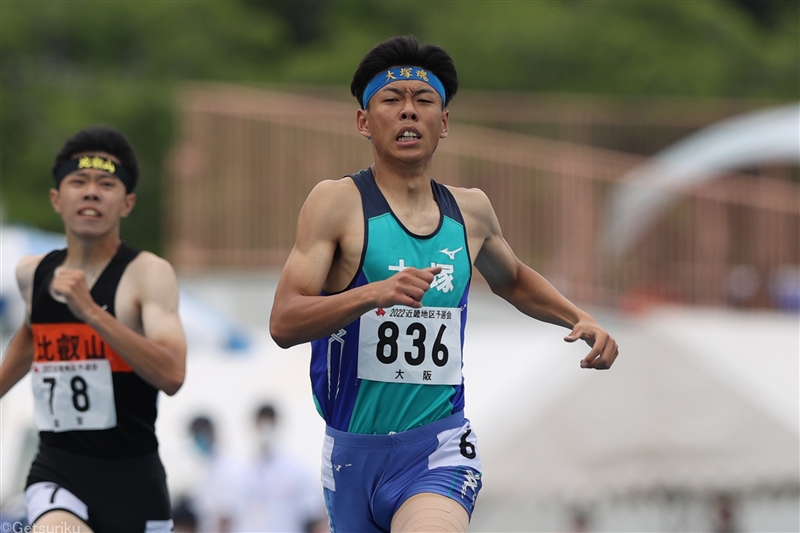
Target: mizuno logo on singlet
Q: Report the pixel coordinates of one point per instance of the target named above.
(451, 255)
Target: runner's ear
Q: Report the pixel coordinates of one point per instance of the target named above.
(445, 124)
(362, 124)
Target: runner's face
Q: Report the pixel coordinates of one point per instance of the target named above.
(405, 121)
(91, 202)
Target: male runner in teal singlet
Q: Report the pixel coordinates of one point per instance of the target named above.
(378, 282)
(101, 336)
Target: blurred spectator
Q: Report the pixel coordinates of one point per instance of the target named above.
(742, 285)
(784, 287)
(724, 515)
(279, 493)
(320, 525)
(214, 496)
(183, 516)
(579, 521)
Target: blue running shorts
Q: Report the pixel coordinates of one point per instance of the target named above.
(368, 477)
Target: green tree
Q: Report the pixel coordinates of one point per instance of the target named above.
(67, 64)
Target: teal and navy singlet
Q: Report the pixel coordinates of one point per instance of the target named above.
(398, 368)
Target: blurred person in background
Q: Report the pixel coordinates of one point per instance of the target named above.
(378, 282)
(103, 337)
(725, 514)
(579, 521)
(278, 492)
(184, 517)
(217, 487)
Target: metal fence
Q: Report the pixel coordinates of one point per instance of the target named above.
(247, 159)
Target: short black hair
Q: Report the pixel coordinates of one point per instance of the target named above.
(100, 139)
(405, 51)
(201, 423)
(266, 411)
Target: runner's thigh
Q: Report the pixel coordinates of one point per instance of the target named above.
(428, 512)
(62, 521)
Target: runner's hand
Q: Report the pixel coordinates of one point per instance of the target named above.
(407, 287)
(69, 286)
(604, 348)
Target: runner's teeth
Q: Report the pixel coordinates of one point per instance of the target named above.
(90, 212)
(408, 135)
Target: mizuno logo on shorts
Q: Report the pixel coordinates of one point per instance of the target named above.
(470, 482)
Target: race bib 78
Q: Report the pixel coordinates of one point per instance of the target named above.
(72, 396)
(72, 381)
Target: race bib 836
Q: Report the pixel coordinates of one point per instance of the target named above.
(404, 345)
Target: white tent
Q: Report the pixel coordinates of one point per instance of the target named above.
(766, 136)
(699, 403)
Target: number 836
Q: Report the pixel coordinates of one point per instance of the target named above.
(388, 349)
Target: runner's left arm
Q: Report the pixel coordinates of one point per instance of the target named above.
(159, 354)
(526, 289)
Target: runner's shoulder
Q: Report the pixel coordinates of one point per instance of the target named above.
(26, 268)
(334, 191)
(333, 200)
(148, 267)
(471, 201)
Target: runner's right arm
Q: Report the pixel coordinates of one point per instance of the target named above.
(158, 353)
(18, 359)
(299, 313)
(19, 354)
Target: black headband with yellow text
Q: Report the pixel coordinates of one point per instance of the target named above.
(97, 163)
